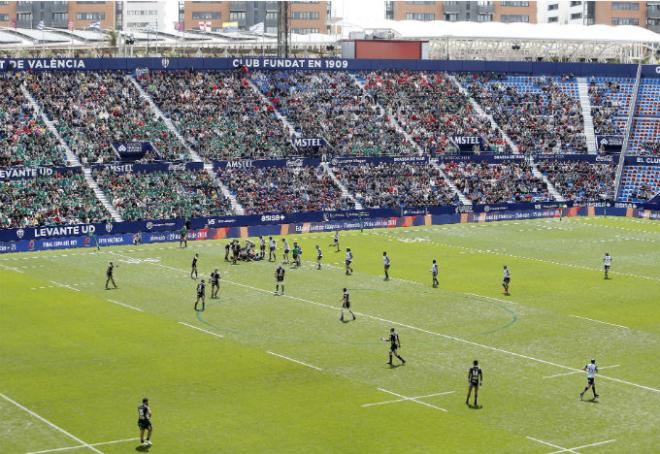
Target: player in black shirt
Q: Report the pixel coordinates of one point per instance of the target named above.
(193, 267)
(215, 284)
(395, 345)
(235, 252)
(144, 422)
(346, 304)
(279, 280)
(109, 276)
(227, 249)
(319, 257)
(201, 295)
(475, 379)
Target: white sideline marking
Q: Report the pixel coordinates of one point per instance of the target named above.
(385, 402)
(412, 399)
(59, 284)
(598, 321)
(575, 372)
(294, 360)
(200, 329)
(599, 443)
(552, 445)
(10, 268)
(44, 420)
(126, 305)
(70, 448)
(490, 298)
(446, 336)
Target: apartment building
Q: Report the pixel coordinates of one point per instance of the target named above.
(141, 15)
(304, 17)
(643, 14)
(7, 14)
(455, 11)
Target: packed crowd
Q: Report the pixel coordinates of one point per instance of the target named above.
(24, 138)
(163, 195)
(537, 113)
(332, 106)
(431, 109)
(485, 183)
(387, 185)
(94, 109)
(52, 200)
(219, 114)
(580, 181)
(284, 190)
(607, 103)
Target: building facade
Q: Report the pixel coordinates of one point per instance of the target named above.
(458, 11)
(304, 17)
(642, 14)
(142, 15)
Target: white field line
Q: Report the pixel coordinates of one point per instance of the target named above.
(490, 298)
(201, 329)
(411, 399)
(575, 372)
(59, 284)
(599, 321)
(552, 445)
(422, 330)
(598, 443)
(56, 427)
(385, 402)
(10, 268)
(294, 360)
(70, 448)
(126, 305)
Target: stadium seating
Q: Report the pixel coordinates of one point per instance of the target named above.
(497, 183)
(24, 138)
(539, 113)
(386, 185)
(431, 109)
(219, 114)
(284, 190)
(645, 136)
(639, 183)
(332, 106)
(163, 195)
(60, 199)
(610, 103)
(580, 181)
(648, 98)
(94, 109)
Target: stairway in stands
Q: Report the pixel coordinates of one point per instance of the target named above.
(236, 207)
(344, 191)
(72, 159)
(585, 104)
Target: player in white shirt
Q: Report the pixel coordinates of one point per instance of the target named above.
(607, 263)
(386, 266)
(272, 245)
(348, 260)
(591, 370)
(506, 279)
(335, 241)
(285, 244)
(434, 273)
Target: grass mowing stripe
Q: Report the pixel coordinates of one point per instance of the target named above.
(54, 426)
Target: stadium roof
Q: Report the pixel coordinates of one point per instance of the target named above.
(498, 30)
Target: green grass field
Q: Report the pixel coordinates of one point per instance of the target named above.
(77, 359)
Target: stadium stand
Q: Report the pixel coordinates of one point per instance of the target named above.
(639, 183)
(334, 107)
(580, 181)
(24, 138)
(610, 103)
(387, 185)
(431, 109)
(48, 200)
(219, 114)
(485, 183)
(284, 190)
(94, 109)
(163, 195)
(645, 132)
(539, 113)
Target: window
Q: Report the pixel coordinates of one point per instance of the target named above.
(420, 16)
(4, 3)
(90, 16)
(625, 21)
(23, 17)
(271, 16)
(576, 3)
(4, 17)
(553, 6)
(653, 22)
(576, 16)
(625, 6)
(237, 15)
(304, 31)
(272, 30)
(422, 3)
(484, 17)
(206, 15)
(509, 18)
(516, 5)
(553, 20)
(305, 15)
(480, 3)
(60, 17)
(90, 3)
(451, 17)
